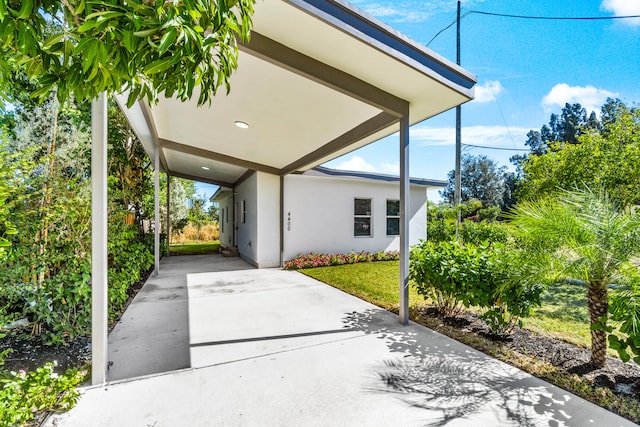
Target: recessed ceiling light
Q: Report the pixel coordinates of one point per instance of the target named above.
(205, 168)
(241, 124)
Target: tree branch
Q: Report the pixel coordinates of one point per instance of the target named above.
(76, 18)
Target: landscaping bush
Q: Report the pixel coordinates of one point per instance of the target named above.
(454, 276)
(129, 257)
(23, 394)
(624, 310)
(440, 231)
(312, 260)
(52, 288)
(478, 233)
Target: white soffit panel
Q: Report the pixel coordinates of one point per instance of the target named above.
(193, 165)
(289, 116)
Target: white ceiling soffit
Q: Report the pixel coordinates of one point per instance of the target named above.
(319, 78)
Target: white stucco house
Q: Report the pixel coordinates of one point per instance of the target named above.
(323, 210)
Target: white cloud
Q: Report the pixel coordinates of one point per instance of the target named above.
(394, 12)
(390, 168)
(488, 91)
(623, 8)
(491, 136)
(356, 163)
(408, 10)
(591, 98)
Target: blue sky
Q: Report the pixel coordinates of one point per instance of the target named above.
(526, 70)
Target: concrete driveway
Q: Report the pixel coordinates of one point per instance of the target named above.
(276, 348)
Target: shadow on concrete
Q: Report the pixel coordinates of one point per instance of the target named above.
(459, 382)
(152, 335)
(270, 337)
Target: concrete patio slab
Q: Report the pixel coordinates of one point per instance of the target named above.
(276, 348)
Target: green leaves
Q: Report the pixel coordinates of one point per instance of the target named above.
(607, 157)
(107, 46)
(454, 275)
(26, 9)
(167, 40)
(158, 66)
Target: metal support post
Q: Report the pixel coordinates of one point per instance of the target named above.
(156, 210)
(404, 220)
(99, 285)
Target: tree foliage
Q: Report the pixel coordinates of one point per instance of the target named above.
(481, 179)
(45, 276)
(607, 156)
(148, 47)
(581, 235)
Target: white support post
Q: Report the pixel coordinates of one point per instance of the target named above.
(99, 299)
(404, 220)
(156, 209)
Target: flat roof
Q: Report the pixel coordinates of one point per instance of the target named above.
(324, 171)
(319, 79)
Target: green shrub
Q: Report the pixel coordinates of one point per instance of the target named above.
(624, 310)
(439, 272)
(478, 233)
(489, 214)
(53, 288)
(129, 256)
(440, 231)
(454, 275)
(23, 394)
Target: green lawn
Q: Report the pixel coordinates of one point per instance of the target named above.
(563, 313)
(194, 248)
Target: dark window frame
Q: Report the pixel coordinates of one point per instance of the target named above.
(362, 219)
(393, 217)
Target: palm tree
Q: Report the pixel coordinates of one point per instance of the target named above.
(581, 235)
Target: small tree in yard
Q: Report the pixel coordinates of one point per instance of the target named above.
(582, 235)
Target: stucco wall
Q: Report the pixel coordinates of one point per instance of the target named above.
(247, 231)
(226, 222)
(258, 236)
(268, 220)
(319, 215)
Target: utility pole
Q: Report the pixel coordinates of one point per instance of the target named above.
(457, 197)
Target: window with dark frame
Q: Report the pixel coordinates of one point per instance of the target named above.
(393, 217)
(362, 218)
(222, 221)
(243, 211)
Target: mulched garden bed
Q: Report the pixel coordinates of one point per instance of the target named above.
(570, 363)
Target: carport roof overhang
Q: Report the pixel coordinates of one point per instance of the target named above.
(318, 79)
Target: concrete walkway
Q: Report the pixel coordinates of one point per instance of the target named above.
(276, 348)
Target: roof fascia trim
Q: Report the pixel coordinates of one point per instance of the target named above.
(378, 177)
(358, 23)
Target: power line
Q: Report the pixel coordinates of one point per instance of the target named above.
(495, 148)
(441, 31)
(547, 18)
(552, 18)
